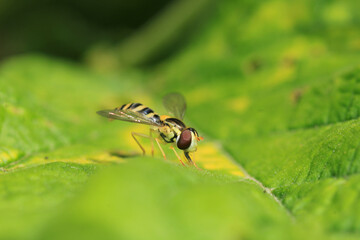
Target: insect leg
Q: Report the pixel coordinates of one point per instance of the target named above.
(195, 163)
(191, 161)
(152, 142)
(177, 155)
(139, 135)
(162, 151)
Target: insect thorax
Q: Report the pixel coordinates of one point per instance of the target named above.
(171, 130)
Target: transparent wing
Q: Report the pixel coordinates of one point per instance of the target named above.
(175, 104)
(128, 116)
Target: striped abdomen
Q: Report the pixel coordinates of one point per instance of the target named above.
(139, 108)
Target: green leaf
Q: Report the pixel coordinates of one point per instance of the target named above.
(275, 95)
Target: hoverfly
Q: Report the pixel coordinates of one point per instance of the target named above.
(163, 128)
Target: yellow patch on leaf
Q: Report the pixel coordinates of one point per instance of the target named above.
(8, 155)
(281, 75)
(239, 104)
(211, 157)
(102, 158)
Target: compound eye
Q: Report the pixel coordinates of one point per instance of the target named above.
(184, 140)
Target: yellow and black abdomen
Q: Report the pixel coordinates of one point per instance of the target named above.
(141, 109)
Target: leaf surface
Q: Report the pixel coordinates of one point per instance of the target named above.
(276, 98)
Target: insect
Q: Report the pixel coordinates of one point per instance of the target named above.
(163, 128)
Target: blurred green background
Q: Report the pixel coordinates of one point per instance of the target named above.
(274, 87)
(69, 28)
